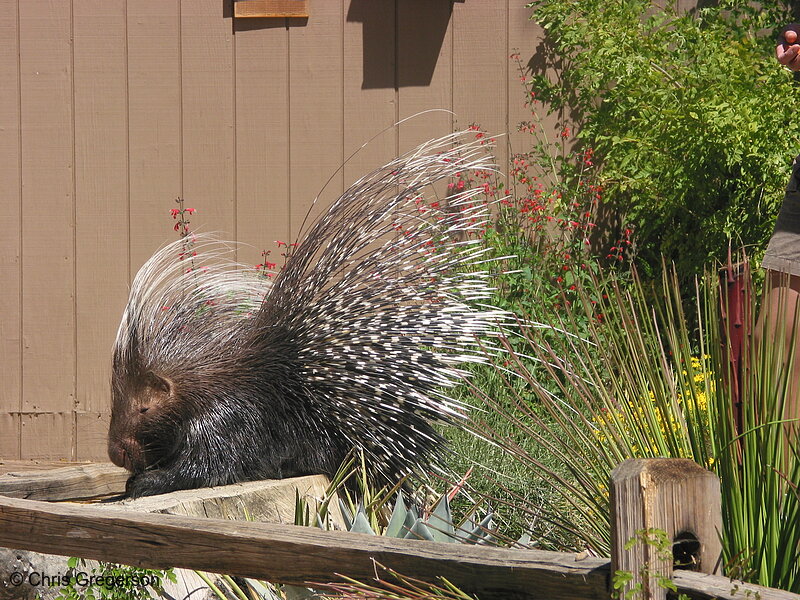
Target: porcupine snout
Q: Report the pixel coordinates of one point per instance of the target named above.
(134, 416)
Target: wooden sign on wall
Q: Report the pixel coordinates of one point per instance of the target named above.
(270, 8)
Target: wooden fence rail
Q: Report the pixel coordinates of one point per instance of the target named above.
(641, 492)
(287, 553)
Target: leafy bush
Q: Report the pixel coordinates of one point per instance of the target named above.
(547, 247)
(544, 231)
(691, 115)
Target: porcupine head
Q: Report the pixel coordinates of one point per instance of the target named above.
(202, 394)
(220, 375)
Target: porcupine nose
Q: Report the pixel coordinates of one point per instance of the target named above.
(118, 454)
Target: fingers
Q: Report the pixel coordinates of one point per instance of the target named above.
(789, 56)
(788, 49)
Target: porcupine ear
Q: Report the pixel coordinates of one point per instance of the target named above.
(159, 391)
(162, 386)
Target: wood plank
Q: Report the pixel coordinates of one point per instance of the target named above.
(10, 426)
(370, 103)
(675, 496)
(48, 221)
(15, 465)
(271, 501)
(424, 76)
(101, 192)
(154, 116)
(270, 8)
(47, 436)
(708, 587)
(262, 139)
(207, 80)
(71, 482)
(480, 61)
(316, 108)
(424, 70)
(289, 554)
(91, 435)
(10, 240)
(268, 501)
(370, 96)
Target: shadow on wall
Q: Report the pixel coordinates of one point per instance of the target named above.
(402, 40)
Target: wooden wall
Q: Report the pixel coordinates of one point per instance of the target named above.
(110, 109)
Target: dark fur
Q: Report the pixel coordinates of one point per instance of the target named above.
(241, 418)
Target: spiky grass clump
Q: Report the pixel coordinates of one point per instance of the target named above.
(645, 383)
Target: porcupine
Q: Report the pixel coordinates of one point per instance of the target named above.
(220, 376)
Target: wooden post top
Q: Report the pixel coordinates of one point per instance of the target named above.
(666, 514)
(660, 469)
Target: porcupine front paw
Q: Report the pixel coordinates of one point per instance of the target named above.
(149, 483)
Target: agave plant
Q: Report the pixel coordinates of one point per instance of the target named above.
(646, 381)
(370, 515)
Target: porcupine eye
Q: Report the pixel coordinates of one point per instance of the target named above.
(157, 391)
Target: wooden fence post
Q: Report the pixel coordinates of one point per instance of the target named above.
(665, 514)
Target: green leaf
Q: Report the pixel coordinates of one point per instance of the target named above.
(419, 531)
(396, 527)
(441, 521)
(361, 523)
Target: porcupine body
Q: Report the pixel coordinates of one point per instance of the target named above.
(221, 376)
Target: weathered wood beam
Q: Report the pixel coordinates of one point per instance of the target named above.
(701, 586)
(267, 501)
(289, 554)
(66, 483)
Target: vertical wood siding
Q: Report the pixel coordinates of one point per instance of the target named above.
(110, 109)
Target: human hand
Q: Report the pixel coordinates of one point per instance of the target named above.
(788, 50)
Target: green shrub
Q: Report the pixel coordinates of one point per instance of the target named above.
(690, 114)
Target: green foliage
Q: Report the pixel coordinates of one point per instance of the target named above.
(109, 581)
(550, 249)
(628, 585)
(544, 231)
(371, 515)
(391, 585)
(644, 383)
(691, 115)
